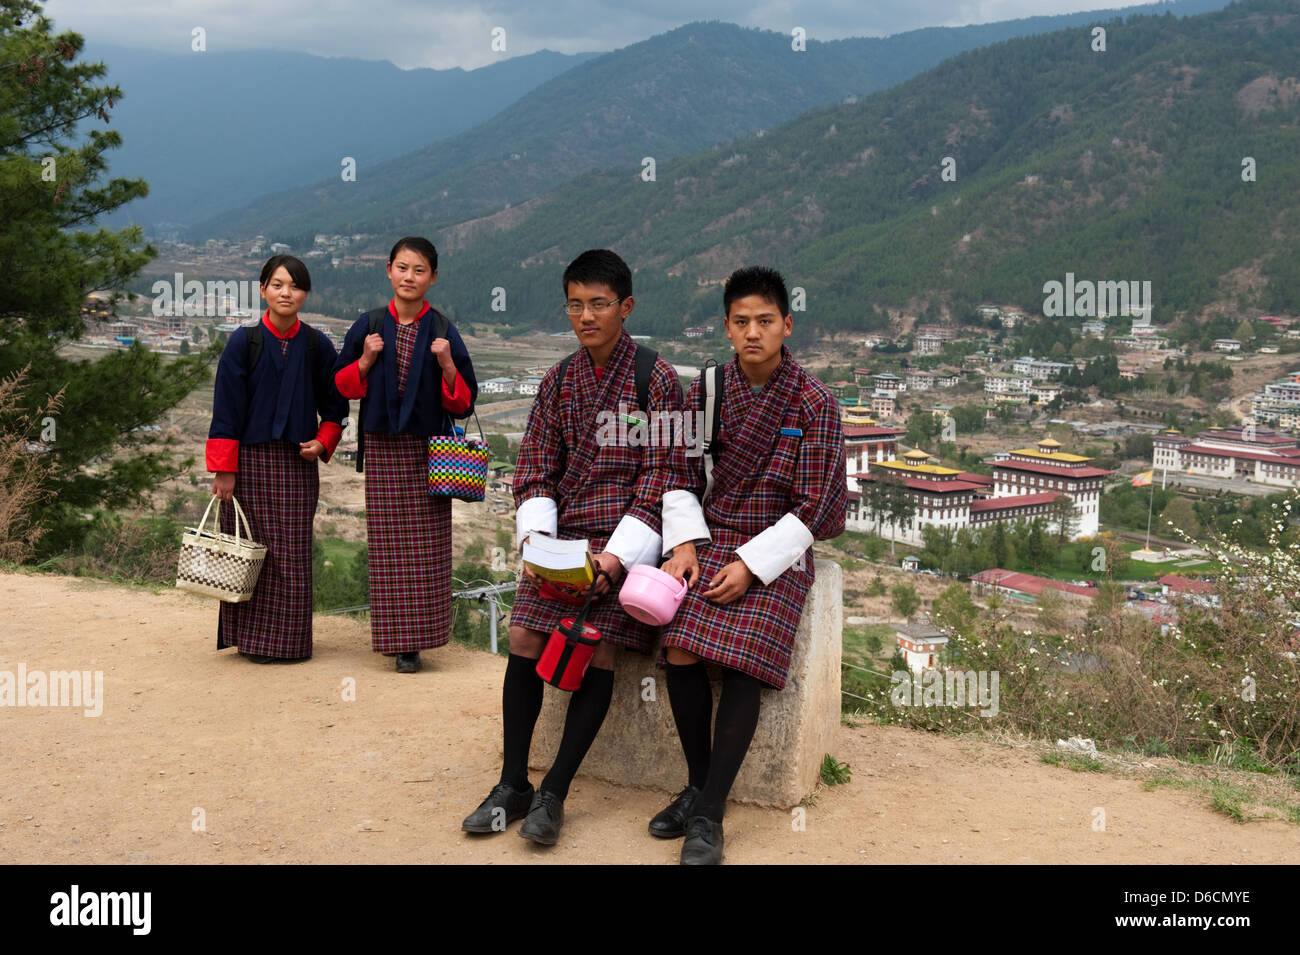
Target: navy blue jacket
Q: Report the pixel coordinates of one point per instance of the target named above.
(420, 411)
(278, 400)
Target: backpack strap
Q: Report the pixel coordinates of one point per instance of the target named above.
(253, 354)
(645, 366)
(712, 394)
(374, 322)
(374, 325)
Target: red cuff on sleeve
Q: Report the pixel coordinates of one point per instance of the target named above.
(349, 381)
(222, 454)
(328, 435)
(455, 400)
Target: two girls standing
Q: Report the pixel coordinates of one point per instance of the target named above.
(410, 368)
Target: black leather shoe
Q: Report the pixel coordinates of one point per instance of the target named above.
(703, 845)
(545, 817)
(256, 657)
(503, 806)
(408, 662)
(671, 823)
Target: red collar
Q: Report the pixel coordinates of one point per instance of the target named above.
(293, 329)
(392, 310)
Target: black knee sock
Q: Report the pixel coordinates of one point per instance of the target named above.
(521, 702)
(732, 734)
(587, 711)
(691, 698)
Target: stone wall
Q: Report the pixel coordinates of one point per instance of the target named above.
(638, 743)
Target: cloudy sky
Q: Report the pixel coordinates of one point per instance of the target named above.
(445, 33)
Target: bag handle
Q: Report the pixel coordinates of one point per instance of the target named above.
(452, 429)
(239, 516)
(204, 520)
(216, 531)
(591, 595)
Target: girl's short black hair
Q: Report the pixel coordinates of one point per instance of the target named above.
(417, 244)
(600, 267)
(297, 271)
(766, 283)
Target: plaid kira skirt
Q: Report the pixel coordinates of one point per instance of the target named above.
(756, 633)
(616, 626)
(409, 538)
(277, 490)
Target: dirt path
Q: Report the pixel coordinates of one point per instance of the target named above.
(284, 770)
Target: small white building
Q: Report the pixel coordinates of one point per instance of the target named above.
(1227, 344)
(920, 644)
(529, 385)
(497, 386)
(928, 344)
(1000, 383)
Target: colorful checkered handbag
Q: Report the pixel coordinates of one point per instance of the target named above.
(213, 564)
(458, 465)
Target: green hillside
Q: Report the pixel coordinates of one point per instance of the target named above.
(694, 87)
(1135, 156)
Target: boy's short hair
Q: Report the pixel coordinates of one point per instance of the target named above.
(758, 280)
(419, 245)
(294, 266)
(600, 267)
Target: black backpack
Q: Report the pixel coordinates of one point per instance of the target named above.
(645, 364)
(374, 322)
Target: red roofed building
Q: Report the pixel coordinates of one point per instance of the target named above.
(944, 497)
(1024, 586)
(1047, 469)
(1190, 589)
(866, 442)
(1241, 453)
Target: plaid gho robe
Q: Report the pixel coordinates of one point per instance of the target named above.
(593, 485)
(760, 476)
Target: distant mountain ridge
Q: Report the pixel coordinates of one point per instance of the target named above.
(694, 87)
(1169, 158)
(210, 131)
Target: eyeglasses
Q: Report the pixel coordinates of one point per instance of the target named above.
(597, 308)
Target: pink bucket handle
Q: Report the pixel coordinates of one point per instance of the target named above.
(681, 593)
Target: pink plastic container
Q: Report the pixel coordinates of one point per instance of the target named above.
(651, 595)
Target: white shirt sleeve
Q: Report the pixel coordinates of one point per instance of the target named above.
(536, 514)
(633, 542)
(770, 554)
(683, 520)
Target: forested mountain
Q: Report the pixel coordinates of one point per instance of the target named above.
(1125, 164)
(694, 87)
(211, 130)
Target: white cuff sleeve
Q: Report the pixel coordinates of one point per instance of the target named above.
(770, 554)
(536, 514)
(634, 543)
(683, 520)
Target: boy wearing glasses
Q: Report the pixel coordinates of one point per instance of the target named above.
(573, 483)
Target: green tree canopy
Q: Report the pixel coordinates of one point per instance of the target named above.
(52, 255)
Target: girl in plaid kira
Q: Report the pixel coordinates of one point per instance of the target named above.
(273, 383)
(411, 370)
(778, 484)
